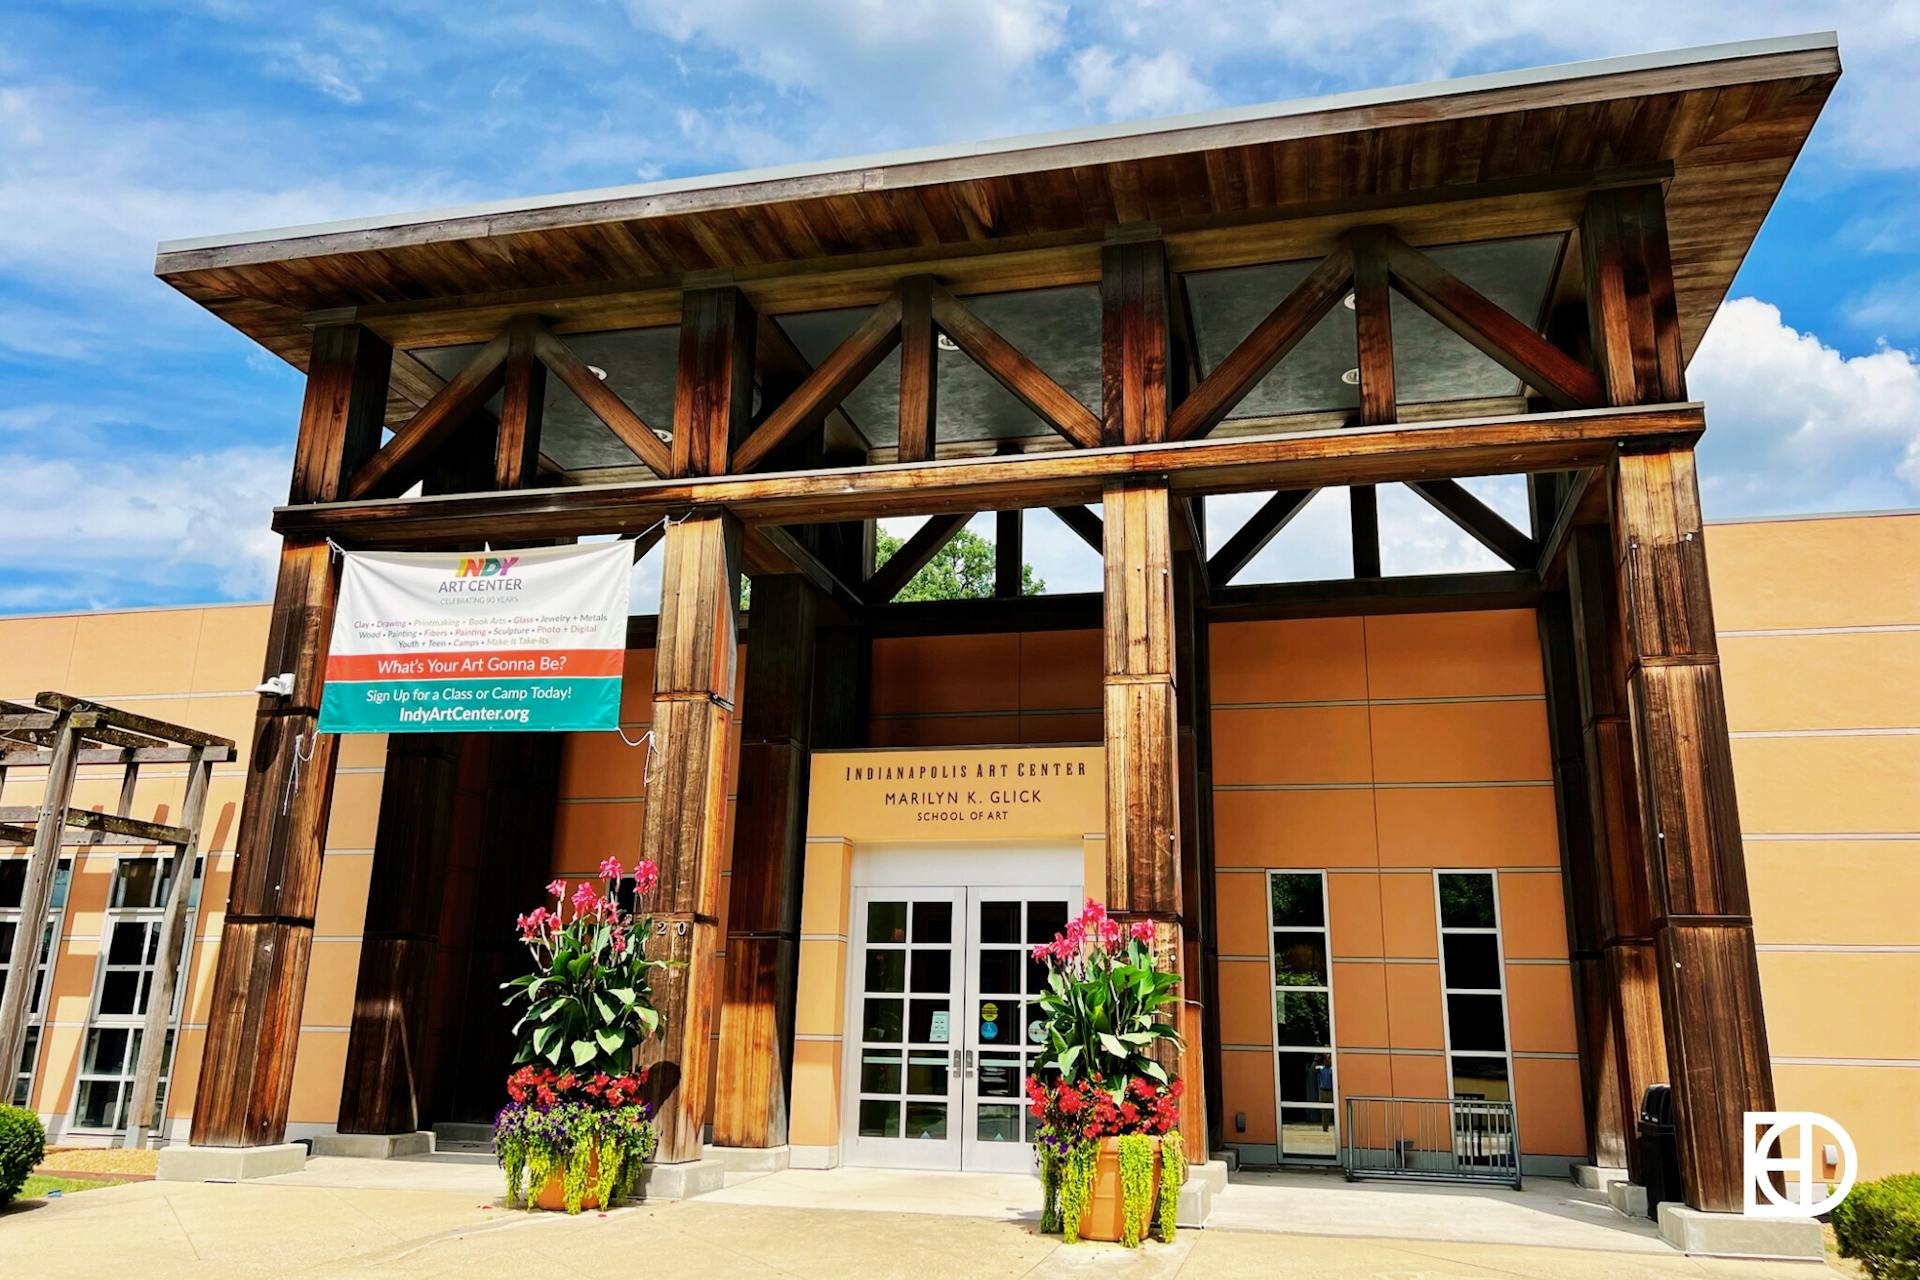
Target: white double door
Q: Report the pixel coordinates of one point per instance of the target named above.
(944, 1023)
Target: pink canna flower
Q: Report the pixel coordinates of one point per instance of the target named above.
(558, 889)
(646, 875)
(1142, 931)
(584, 898)
(610, 869)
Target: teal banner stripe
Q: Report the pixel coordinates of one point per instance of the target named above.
(517, 705)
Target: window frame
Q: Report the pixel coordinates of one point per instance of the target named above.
(1496, 932)
(19, 1085)
(1275, 1048)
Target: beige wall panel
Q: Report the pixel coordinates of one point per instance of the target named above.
(1533, 922)
(150, 651)
(233, 645)
(317, 1073)
(599, 765)
(1353, 913)
(1246, 1085)
(35, 654)
(1291, 744)
(820, 1003)
(1876, 1104)
(1363, 1075)
(1460, 742)
(1546, 1095)
(1540, 1008)
(1360, 1007)
(229, 715)
(1828, 1004)
(1849, 680)
(1299, 660)
(189, 1046)
(342, 910)
(815, 1114)
(355, 815)
(1862, 571)
(584, 834)
(1467, 827)
(1863, 892)
(1413, 1007)
(1246, 1002)
(361, 751)
(330, 982)
(1407, 916)
(59, 1068)
(1294, 829)
(1453, 655)
(1419, 1075)
(1242, 922)
(1813, 786)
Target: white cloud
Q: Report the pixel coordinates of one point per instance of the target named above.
(1123, 85)
(1794, 426)
(151, 525)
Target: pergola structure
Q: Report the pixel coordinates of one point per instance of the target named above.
(59, 734)
(1510, 272)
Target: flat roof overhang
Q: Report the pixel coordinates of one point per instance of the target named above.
(1720, 124)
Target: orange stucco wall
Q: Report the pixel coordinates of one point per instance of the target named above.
(1374, 749)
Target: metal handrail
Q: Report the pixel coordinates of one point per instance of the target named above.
(1432, 1140)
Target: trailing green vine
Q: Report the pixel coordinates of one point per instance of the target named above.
(1049, 1191)
(1076, 1187)
(1136, 1186)
(1173, 1176)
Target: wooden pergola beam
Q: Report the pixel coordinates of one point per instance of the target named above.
(603, 402)
(1308, 459)
(1506, 340)
(831, 381)
(1413, 593)
(914, 555)
(1251, 538)
(132, 722)
(405, 458)
(1487, 526)
(1026, 381)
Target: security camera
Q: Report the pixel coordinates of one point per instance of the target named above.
(280, 686)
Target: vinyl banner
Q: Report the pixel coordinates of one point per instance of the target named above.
(462, 642)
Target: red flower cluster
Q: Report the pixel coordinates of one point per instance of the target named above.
(1090, 1110)
(1094, 930)
(547, 1087)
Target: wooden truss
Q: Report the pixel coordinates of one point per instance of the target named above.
(60, 734)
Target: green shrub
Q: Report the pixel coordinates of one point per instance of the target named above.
(23, 1144)
(1879, 1223)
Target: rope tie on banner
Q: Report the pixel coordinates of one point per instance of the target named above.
(293, 774)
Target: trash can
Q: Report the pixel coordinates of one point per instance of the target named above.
(1659, 1149)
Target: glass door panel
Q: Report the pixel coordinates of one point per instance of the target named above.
(1004, 1027)
(904, 1102)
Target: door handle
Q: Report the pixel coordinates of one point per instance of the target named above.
(966, 1069)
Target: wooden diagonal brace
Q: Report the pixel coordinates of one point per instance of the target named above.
(913, 556)
(1026, 381)
(1090, 528)
(830, 383)
(404, 459)
(1252, 537)
(1488, 528)
(602, 401)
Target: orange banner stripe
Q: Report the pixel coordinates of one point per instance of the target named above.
(507, 664)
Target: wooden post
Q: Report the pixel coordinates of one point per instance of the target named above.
(253, 1020)
(1200, 952)
(170, 946)
(1717, 1059)
(919, 370)
(693, 698)
(763, 909)
(1619, 859)
(1379, 398)
(35, 895)
(1143, 805)
(1009, 553)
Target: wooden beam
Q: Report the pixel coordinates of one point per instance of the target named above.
(1379, 397)
(1584, 502)
(1486, 525)
(912, 556)
(1251, 538)
(1339, 597)
(1085, 523)
(1026, 381)
(1068, 611)
(523, 398)
(405, 458)
(36, 893)
(1241, 370)
(769, 843)
(344, 410)
(1632, 315)
(1136, 340)
(146, 727)
(713, 396)
(783, 367)
(603, 402)
(1009, 552)
(1710, 995)
(693, 700)
(1509, 342)
(133, 828)
(1519, 444)
(919, 370)
(830, 383)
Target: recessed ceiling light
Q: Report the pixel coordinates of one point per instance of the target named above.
(1348, 300)
(666, 437)
(1351, 377)
(597, 372)
(945, 343)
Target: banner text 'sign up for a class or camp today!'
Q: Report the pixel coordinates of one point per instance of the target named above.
(464, 642)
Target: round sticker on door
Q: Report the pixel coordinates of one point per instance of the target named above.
(989, 1031)
(1037, 1031)
(989, 1013)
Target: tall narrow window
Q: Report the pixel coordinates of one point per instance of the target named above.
(13, 880)
(1473, 983)
(121, 991)
(1302, 1016)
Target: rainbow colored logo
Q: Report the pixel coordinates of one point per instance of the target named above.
(487, 567)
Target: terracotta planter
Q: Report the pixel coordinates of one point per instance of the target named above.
(553, 1196)
(1106, 1215)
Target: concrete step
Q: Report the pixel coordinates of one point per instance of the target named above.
(463, 1137)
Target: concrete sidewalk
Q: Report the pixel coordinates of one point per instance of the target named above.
(158, 1231)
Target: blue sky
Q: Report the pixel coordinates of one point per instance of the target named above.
(163, 438)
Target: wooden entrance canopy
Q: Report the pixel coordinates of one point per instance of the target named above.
(1634, 186)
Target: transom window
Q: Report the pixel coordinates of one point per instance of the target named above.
(1302, 1016)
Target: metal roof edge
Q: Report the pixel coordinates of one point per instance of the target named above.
(870, 169)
